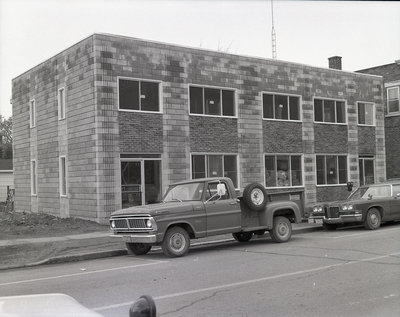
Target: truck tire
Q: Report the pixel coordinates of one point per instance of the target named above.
(242, 236)
(138, 248)
(176, 242)
(282, 230)
(373, 219)
(255, 196)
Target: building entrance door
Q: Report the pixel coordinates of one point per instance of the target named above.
(140, 182)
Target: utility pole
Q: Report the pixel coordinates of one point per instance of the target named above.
(273, 34)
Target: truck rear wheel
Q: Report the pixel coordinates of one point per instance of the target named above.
(282, 230)
(255, 196)
(242, 236)
(138, 248)
(176, 242)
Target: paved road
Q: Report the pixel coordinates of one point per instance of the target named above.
(350, 272)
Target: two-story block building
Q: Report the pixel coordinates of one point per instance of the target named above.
(110, 121)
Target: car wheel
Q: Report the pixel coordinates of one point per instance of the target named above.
(282, 230)
(255, 196)
(242, 236)
(329, 226)
(138, 248)
(373, 219)
(176, 242)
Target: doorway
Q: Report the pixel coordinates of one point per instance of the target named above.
(140, 182)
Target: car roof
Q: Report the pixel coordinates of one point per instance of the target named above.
(201, 180)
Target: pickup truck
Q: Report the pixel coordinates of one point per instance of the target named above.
(200, 208)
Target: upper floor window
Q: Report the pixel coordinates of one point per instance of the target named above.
(366, 113)
(33, 178)
(139, 95)
(281, 107)
(331, 169)
(283, 170)
(61, 103)
(330, 111)
(211, 165)
(63, 176)
(32, 113)
(393, 100)
(212, 101)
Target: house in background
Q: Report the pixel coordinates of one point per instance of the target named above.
(391, 79)
(112, 120)
(6, 174)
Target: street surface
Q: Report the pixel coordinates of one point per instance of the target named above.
(351, 272)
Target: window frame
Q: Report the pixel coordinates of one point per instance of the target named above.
(139, 80)
(396, 87)
(373, 115)
(337, 168)
(34, 178)
(206, 162)
(61, 103)
(323, 112)
(63, 176)
(203, 87)
(32, 113)
(290, 163)
(363, 159)
(288, 98)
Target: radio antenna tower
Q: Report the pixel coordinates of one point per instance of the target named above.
(273, 34)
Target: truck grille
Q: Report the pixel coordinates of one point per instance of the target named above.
(332, 212)
(130, 224)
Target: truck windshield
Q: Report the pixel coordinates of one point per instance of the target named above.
(184, 192)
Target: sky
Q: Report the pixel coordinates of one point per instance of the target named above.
(364, 33)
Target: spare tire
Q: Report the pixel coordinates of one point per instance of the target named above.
(255, 196)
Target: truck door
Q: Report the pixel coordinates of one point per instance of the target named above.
(223, 213)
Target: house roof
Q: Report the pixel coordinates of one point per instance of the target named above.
(390, 72)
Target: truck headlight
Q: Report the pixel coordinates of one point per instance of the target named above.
(149, 224)
(317, 209)
(112, 224)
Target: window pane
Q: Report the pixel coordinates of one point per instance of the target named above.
(369, 171)
(342, 169)
(212, 101)
(361, 113)
(128, 94)
(196, 100)
(215, 166)
(63, 174)
(268, 106)
(283, 173)
(296, 171)
(318, 107)
(329, 111)
(294, 108)
(396, 190)
(230, 168)
(281, 107)
(321, 170)
(149, 96)
(33, 177)
(369, 113)
(228, 103)
(61, 101)
(340, 112)
(393, 93)
(393, 105)
(198, 166)
(361, 170)
(270, 171)
(331, 170)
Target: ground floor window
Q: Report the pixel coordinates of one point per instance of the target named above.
(215, 165)
(33, 178)
(331, 169)
(367, 170)
(283, 170)
(63, 176)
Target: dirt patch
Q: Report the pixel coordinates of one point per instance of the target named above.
(20, 225)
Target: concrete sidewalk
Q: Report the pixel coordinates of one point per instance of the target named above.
(30, 252)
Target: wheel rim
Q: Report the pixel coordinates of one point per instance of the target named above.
(374, 219)
(177, 242)
(282, 229)
(257, 196)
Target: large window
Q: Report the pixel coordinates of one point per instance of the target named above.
(33, 178)
(211, 165)
(139, 95)
(393, 100)
(61, 103)
(331, 169)
(283, 170)
(329, 111)
(212, 101)
(367, 170)
(63, 176)
(281, 107)
(366, 113)
(32, 113)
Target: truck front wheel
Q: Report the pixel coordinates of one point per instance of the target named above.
(242, 236)
(176, 242)
(138, 248)
(282, 230)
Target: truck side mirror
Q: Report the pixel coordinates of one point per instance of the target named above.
(144, 306)
(221, 189)
(350, 186)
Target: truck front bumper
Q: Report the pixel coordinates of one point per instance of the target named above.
(136, 238)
